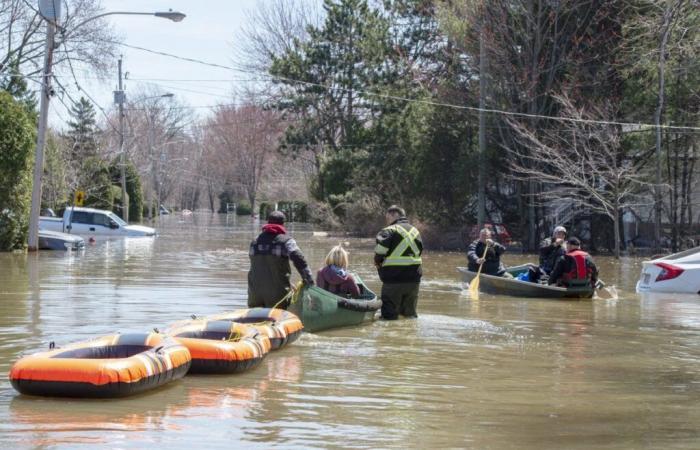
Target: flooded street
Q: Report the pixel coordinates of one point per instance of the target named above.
(496, 373)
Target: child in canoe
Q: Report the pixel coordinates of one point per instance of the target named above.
(334, 277)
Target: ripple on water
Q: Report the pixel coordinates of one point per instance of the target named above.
(499, 373)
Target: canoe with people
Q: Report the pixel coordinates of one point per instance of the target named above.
(337, 297)
(564, 270)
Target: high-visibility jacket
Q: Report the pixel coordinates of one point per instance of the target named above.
(398, 253)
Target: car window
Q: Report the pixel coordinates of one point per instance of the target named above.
(81, 217)
(117, 219)
(100, 219)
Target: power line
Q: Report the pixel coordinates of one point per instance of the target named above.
(410, 100)
(87, 94)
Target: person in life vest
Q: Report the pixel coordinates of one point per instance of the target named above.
(269, 275)
(397, 257)
(492, 264)
(334, 277)
(575, 268)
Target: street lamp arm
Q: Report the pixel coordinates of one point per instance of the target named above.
(175, 16)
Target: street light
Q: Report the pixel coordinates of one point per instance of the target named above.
(50, 11)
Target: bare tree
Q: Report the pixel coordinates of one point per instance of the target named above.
(661, 56)
(245, 137)
(272, 29)
(580, 160)
(22, 34)
(157, 141)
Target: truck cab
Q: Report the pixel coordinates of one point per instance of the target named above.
(93, 222)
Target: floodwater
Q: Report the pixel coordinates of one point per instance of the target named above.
(495, 373)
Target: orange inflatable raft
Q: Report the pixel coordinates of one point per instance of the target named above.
(221, 346)
(280, 326)
(110, 366)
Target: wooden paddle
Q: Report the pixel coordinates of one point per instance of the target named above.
(474, 284)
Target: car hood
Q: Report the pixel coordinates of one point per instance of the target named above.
(139, 230)
(58, 235)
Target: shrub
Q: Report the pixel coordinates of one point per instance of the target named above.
(16, 145)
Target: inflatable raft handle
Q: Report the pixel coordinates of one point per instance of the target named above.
(193, 316)
(159, 349)
(156, 330)
(52, 345)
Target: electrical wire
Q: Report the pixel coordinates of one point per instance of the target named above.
(410, 100)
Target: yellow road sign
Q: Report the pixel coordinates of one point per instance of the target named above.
(79, 198)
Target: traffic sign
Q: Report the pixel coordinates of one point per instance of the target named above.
(79, 198)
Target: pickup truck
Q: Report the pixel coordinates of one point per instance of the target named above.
(92, 222)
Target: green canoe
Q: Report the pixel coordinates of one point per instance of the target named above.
(320, 310)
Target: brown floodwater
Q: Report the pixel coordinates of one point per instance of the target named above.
(496, 373)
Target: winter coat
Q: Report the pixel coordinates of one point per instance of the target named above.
(337, 281)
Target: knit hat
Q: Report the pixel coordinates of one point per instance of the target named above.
(574, 241)
(276, 217)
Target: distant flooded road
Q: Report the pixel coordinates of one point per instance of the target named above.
(497, 373)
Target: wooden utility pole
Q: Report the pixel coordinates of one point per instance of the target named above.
(481, 199)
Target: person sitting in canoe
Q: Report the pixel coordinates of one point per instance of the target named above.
(575, 268)
(334, 277)
(492, 261)
(551, 249)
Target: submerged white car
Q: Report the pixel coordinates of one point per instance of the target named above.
(679, 273)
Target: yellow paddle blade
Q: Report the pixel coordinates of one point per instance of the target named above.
(474, 288)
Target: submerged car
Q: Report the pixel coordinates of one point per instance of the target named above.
(54, 240)
(678, 273)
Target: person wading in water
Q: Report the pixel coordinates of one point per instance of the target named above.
(397, 257)
(269, 275)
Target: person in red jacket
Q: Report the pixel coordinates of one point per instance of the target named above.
(575, 268)
(334, 277)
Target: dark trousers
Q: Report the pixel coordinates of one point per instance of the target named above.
(260, 301)
(399, 298)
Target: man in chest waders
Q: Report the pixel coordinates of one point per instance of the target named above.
(398, 261)
(270, 252)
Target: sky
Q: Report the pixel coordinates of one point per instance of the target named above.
(207, 33)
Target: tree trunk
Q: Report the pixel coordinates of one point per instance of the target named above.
(666, 27)
(616, 222)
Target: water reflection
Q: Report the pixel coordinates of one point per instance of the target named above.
(502, 372)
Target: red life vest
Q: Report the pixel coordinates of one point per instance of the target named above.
(579, 271)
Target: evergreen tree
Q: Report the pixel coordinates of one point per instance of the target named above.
(16, 144)
(82, 130)
(324, 79)
(13, 83)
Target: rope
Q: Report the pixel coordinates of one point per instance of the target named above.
(234, 335)
(292, 295)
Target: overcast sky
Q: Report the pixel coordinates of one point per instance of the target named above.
(207, 33)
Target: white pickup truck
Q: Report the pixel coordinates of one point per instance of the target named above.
(92, 222)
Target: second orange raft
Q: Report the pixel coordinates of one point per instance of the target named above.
(280, 326)
(221, 346)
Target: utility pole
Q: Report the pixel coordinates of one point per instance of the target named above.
(120, 98)
(35, 210)
(481, 200)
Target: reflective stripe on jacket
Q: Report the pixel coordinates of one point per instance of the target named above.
(397, 254)
(407, 252)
